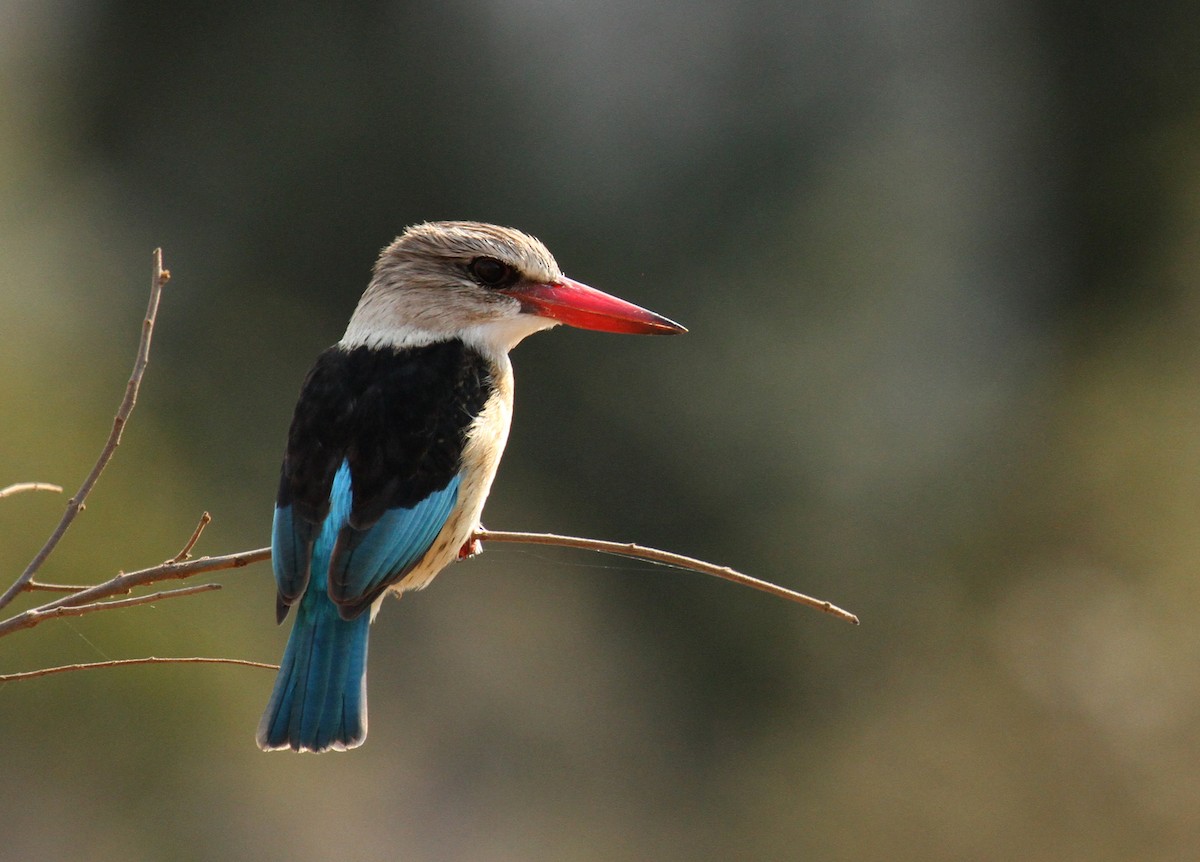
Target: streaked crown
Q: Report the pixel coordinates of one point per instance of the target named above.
(427, 286)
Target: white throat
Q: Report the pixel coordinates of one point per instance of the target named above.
(494, 337)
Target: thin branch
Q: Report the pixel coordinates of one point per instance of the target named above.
(186, 553)
(123, 662)
(125, 582)
(33, 616)
(666, 558)
(54, 588)
(75, 505)
(21, 487)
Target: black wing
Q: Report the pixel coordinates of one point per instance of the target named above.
(398, 421)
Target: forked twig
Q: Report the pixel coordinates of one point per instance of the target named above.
(75, 505)
(127, 581)
(53, 610)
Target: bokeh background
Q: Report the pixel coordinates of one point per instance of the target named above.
(941, 265)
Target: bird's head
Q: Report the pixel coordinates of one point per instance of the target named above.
(490, 285)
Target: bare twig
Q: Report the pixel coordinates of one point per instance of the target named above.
(123, 662)
(54, 588)
(666, 558)
(186, 553)
(123, 583)
(76, 504)
(33, 616)
(89, 599)
(29, 486)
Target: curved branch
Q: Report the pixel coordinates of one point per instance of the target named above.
(124, 583)
(666, 558)
(21, 487)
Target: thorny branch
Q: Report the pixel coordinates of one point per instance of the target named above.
(80, 599)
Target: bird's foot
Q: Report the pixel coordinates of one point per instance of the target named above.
(471, 548)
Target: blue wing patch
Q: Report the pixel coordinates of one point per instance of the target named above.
(291, 554)
(363, 562)
(354, 566)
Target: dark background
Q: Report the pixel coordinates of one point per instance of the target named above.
(939, 261)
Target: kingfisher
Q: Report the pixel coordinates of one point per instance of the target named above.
(393, 445)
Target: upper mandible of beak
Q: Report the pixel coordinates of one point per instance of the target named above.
(575, 304)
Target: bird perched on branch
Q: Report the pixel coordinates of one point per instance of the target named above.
(393, 446)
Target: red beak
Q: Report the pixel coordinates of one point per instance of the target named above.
(576, 304)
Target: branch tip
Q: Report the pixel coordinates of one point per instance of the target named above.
(631, 549)
(77, 502)
(21, 487)
(186, 553)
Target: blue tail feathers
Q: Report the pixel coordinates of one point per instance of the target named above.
(337, 571)
(320, 696)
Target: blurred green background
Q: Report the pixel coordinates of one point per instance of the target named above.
(940, 265)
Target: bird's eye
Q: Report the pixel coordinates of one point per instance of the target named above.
(492, 273)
